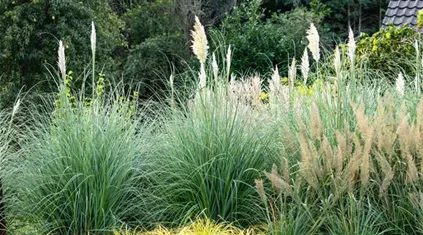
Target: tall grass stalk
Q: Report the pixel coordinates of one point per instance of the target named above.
(93, 40)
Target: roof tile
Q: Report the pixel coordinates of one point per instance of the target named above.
(402, 12)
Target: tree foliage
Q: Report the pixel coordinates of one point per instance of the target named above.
(31, 30)
(260, 43)
(389, 50)
(156, 44)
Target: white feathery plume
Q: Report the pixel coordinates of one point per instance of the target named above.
(171, 80)
(351, 46)
(62, 60)
(228, 61)
(199, 41)
(292, 73)
(93, 37)
(305, 66)
(200, 48)
(275, 83)
(400, 85)
(16, 107)
(203, 77)
(215, 67)
(256, 86)
(337, 62)
(313, 42)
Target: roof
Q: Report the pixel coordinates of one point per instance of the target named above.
(402, 12)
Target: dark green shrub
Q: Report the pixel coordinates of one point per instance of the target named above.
(157, 45)
(31, 30)
(260, 43)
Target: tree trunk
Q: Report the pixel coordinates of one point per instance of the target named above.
(2, 215)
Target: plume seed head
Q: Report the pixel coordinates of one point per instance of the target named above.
(305, 66)
(62, 60)
(313, 42)
(400, 85)
(292, 73)
(203, 77)
(337, 61)
(199, 41)
(93, 37)
(16, 107)
(228, 60)
(260, 189)
(215, 67)
(351, 46)
(275, 83)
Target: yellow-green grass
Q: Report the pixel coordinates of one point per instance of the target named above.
(200, 227)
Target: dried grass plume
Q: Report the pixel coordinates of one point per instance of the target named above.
(313, 42)
(351, 46)
(93, 37)
(400, 85)
(62, 60)
(305, 66)
(199, 41)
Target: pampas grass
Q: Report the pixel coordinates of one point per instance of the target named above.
(62, 60)
(292, 74)
(78, 170)
(305, 66)
(200, 48)
(313, 42)
(351, 47)
(337, 63)
(400, 85)
(207, 158)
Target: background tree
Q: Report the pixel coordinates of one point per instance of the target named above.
(262, 42)
(31, 30)
(157, 46)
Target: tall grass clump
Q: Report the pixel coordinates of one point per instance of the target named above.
(350, 156)
(210, 152)
(80, 167)
(7, 138)
(4, 140)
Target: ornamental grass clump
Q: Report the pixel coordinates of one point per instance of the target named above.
(8, 131)
(371, 167)
(4, 146)
(210, 152)
(350, 155)
(80, 167)
(208, 159)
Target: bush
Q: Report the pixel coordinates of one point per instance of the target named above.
(151, 63)
(390, 50)
(157, 45)
(261, 43)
